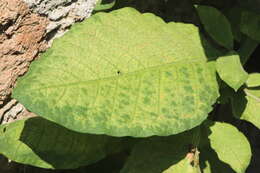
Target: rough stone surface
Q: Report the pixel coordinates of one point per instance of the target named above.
(62, 13)
(21, 39)
(13, 111)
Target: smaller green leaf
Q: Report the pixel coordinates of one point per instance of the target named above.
(217, 143)
(250, 25)
(231, 71)
(230, 145)
(253, 80)
(217, 25)
(157, 154)
(41, 143)
(246, 105)
(183, 166)
(104, 5)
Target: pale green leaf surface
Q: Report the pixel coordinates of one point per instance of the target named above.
(182, 166)
(230, 145)
(123, 74)
(246, 105)
(231, 71)
(216, 25)
(42, 143)
(250, 25)
(253, 80)
(217, 143)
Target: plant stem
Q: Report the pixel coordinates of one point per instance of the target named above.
(247, 48)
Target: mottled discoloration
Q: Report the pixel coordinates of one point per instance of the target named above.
(154, 94)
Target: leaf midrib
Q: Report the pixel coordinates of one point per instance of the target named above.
(119, 75)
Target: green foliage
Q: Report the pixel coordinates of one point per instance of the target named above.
(124, 72)
(217, 25)
(136, 89)
(234, 17)
(157, 154)
(230, 145)
(250, 25)
(38, 142)
(253, 80)
(246, 105)
(183, 166)
(231, 71)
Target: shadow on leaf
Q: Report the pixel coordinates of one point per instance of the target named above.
(156, 154)
(54, 146)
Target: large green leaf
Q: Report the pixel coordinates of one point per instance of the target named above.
(217, 25)
(246, 105)
(123, 74)
(41, 143)
(250, 25)
(231, 71)
(217, 143)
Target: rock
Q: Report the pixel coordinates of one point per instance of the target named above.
(62, 13)
(13, 111)
(21, 35)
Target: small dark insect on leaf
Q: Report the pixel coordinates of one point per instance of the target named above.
(4, 130)
(118, 72)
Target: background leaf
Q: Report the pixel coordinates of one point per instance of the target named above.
(41, 143)
(246, 105)
(158, 154)
(234, 17)
(231, 71)
(123, 74)
(250, 25)
(216, 25)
